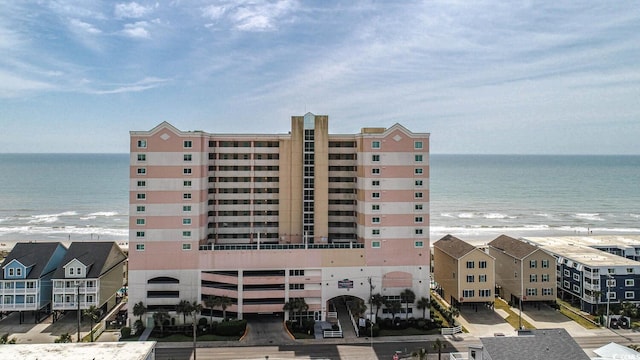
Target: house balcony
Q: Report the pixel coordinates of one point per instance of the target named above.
(592, 287)
(19, 307)
(73, 305)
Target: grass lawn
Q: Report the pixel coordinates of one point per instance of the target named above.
(582, 319)
(408, 331)
(513, 319)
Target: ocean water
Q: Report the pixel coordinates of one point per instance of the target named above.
(475, 197)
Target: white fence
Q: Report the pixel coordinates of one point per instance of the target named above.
(353, 322)
(451, 331)
(332, 334)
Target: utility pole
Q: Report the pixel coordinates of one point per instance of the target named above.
(608, 298)
(78, 307)
(371, 308)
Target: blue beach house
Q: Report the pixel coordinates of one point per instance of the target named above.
(25, 279)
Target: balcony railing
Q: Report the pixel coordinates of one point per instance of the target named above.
(282, 246)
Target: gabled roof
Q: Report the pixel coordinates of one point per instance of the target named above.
(34, 255)
(453, 246)
(541, 344)
(513, 247)
(98, 256)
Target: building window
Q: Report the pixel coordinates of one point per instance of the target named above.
(375, 171)
(375, 158)
(141, 196)
(375, 144)
(11, 272)
(140, 209)
(418, 231)
(186, 234)
(375, 232)
(468, 293)
(417, 171)
(142, 171)
(611, 295)
(375, 195)
(375, 207)
(187, 157)
(186, 221)
(611, 271)
(418, 219)
(186, 196)
(545, 264)
(471, 264)
(188, 144)
(139, 247)
(418, 195)
(375, 220)
(142, 144)
(576, 277)
(142, 157)
(31, 299)
(471, 278)
(629, 270)
(186, 171)
(611, 282)
(482, 264)
(418, 158)
(576, 288)
(186, 183)
(418, 244)
(545, 277)
(186, 208)
(629, 282)
(296, 286)
(418, 182)
(482, 278)
(418, 207)
(31, 284)
(139, 221)
(375, 183)
(296, 272)
(566, 284)
(629, 294)
(71, 271)
(484, 292)
(375, 244)
(186, 246)
(532, 292)
(140, 234)
(533, 278)
(567, 272)
(533, 264)
(547, 291)
(142, 183)
(417, 145)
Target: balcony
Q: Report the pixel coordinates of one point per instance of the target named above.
(73, 305)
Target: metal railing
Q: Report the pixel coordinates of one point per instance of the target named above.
(451, 331)
(281, 246)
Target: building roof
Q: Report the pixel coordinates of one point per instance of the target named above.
(568, 248)
(453, 246)
(98, 256)
(513, 247)
(616, 351)
(125, 350)
(34, 255)
(541, 344)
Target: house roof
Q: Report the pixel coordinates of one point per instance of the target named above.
(453, 246)
(540, 344)
(98, 256)
(34, 255)
(513, 247)
(616, 351)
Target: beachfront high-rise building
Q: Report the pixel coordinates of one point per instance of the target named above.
(266, 218)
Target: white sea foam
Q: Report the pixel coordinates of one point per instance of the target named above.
(64, 232)
(636, 216)
(88, 218)
(466, 215)
(589, 216)
(498, 216)
(104, 213)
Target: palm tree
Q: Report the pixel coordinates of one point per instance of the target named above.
(377, 300)
(423, 304)
(139, 309)
(394, 306)
(93, 313)
(194, 310)
(210, 302)
(160, 317)
(454, 312)
(420, 354)
(223, 302)
(302, 307)
(358, 307)
(629, 309)
(439, 346)
(184, 309)
(407, 296)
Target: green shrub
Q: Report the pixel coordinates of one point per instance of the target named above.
(231, 328)
(202, 321)
(125, 332)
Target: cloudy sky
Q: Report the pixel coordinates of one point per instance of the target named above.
(549, 77)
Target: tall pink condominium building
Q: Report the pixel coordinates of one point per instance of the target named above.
(265, 218)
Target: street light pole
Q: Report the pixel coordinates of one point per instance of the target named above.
(608, 299)
(371, 309)
(78, 306)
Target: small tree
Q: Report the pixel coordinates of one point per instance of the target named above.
(454, 312)
(407, 296)
(160, 317)
(358, 307)
(93, 313)
(139, 309)
(223, 302)
(377, 300)
(439, 346)
(423, 304)
(210, 302)
(420, 354)
(394, 307)
(184, 308)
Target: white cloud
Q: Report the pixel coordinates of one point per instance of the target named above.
(257, 15)
(131, 10)
(213, 12)
(137, 30)
(12, 85)
(142, 85)
(82, 26)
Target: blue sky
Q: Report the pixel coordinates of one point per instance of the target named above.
(549, 77)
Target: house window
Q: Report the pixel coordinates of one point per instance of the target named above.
(611, 295)
(375, 220)
(576, 288)
(140, 234)
(567, 272)
(142, 171)
(533, 264)
(418, 231)
(139, 221)
(629, 294)
(468, 293)
(186, 221)
(71, 271)
(79, 271)
(375, 207)
(418, 244)
(533, 278)
(375, 144)
(90, 298)
(611, 271)
(375, 232)
(532, 292)
(186, 183)
(566, 284)
(186, 171)
(140, 208)
(375, 195)
(545, 277)
(547, 291)
(611, 282)
(188, 144)
(186, 196)
(30, 299)
(186, 246)
(142, 183)
(471, 278)
(418, 195)
(417, 145)
(141, 196)
(417, 171)
(142, 157)
(418, 158)
(375, 183)
(375, 158)
(187, 157)
(31, 284)
(471, 264)
(375, 171)
(629, 282)
(140, 247)
(142, 144)
(545, 264)
(186, 234)
(485, 292)
(11, 272)
(418, 207)
(482, 278)
(375, 244)
(186, 208)
(418, 182)
(576, 277)
(482, 264)
(629, 270)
